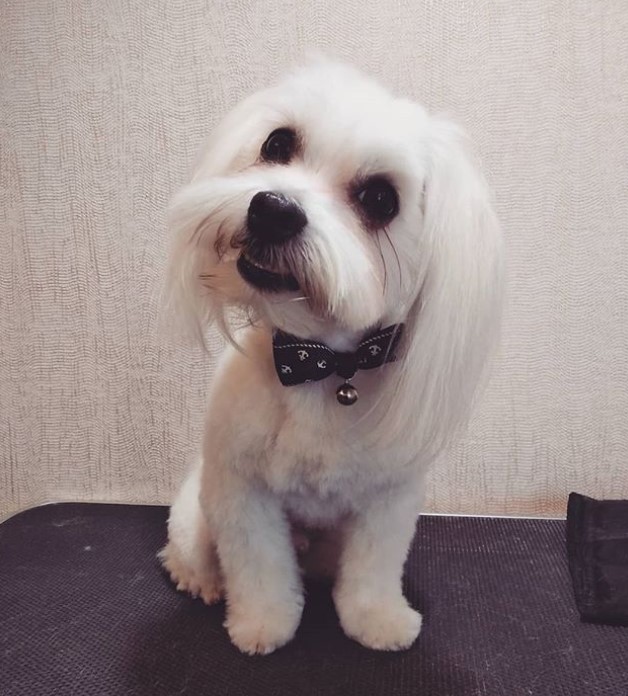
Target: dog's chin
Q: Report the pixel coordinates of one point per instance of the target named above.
(265, 279)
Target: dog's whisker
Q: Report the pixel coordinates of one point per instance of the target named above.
(302, 298)
(381, 255)
(277, 303)
(392, 246)
(206, 278)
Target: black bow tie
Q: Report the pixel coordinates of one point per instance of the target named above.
(298, 360)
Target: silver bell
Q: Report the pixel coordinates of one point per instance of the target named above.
(346, 394)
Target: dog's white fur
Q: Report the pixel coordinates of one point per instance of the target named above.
(274, 458)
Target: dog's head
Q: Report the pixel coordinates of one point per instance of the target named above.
(326, 202)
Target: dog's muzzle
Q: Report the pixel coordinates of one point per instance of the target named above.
(272, 220)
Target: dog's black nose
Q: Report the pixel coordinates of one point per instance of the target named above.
(273, 218)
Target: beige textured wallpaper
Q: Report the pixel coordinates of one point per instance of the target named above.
(103, 105)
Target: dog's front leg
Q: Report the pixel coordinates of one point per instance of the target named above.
(262, 581)
(368, 592)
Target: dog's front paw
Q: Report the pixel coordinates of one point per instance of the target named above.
(204, 581)
(261, 629)
(381, 624)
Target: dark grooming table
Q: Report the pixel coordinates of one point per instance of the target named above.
(86, 611)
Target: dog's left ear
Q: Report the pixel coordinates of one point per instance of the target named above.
(453, 323)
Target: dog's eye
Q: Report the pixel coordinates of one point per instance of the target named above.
(378, 199)
(280, 146)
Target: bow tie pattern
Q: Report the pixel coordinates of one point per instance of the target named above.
(298, 361)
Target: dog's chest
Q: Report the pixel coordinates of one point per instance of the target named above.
(300, 458)
(321, 473)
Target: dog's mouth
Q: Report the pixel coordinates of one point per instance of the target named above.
(263, 278)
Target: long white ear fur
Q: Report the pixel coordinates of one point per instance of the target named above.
(454, 322)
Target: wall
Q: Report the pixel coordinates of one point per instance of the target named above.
(103, 105)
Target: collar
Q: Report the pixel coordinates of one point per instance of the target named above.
(299, 361)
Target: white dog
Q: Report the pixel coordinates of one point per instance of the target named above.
(358, 237)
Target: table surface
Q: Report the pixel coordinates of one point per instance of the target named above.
(86, 610)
